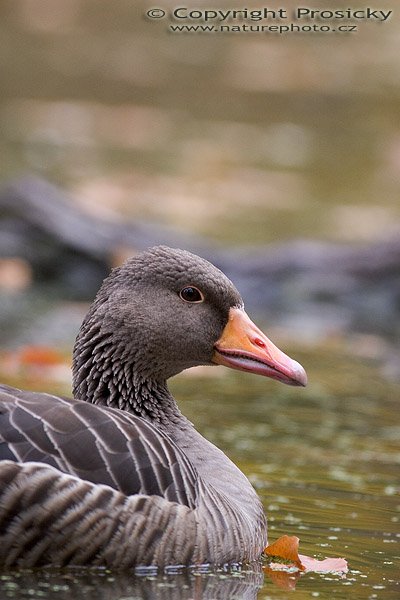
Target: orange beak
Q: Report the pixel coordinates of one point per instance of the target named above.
(244, 346)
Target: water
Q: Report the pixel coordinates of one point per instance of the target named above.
(324, 461)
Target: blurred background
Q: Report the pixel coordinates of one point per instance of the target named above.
(220, 143)
(275, 156)
(234, 140)
(244, 138)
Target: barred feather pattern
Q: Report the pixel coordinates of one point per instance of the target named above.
(83, 484)
(48, 517)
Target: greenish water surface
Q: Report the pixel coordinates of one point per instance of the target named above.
(325, 461)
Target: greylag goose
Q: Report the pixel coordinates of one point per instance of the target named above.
(118, 476)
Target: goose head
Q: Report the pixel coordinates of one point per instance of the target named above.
(163, 311)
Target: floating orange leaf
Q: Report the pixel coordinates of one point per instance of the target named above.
(286, 549)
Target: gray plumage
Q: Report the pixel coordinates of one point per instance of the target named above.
(118, 476)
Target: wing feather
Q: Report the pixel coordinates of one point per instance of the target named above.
(96, 444)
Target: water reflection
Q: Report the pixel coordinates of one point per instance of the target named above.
(106, 585)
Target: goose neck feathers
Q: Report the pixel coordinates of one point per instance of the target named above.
(140, 331)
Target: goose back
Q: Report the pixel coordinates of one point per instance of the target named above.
(85, 484)
(96, 444)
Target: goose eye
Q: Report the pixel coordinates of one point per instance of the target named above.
(191, 294)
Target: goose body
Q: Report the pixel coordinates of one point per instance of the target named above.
(118, 476)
